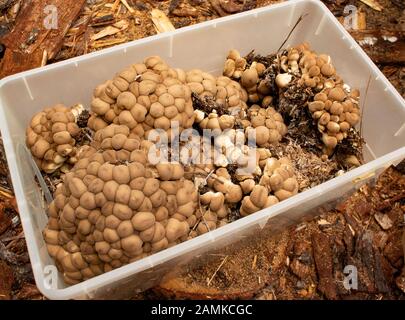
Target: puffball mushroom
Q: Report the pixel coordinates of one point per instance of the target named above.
(50, 137)
(113, 207)
(221, 181)
(283, 80)
(278, 182)
(267, 126)
(234, 65)
(216, 211)
(143, 97)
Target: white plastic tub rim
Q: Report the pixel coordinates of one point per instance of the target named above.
(124, 280)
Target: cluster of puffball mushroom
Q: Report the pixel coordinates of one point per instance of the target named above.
(114, 206)
(50, 137)
(335, 106)
(144, 97)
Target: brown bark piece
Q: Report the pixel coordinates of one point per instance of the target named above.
(362, 208)
(29, 291)
(393, 251)
(6, 280)
(14, 62)
(31, 37)
(231, 6)
(216, 5)
(324, 265)
(5, 221)
(179, 288)
(371, 259)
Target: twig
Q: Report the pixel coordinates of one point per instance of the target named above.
(44, 58)
(208, 176)
(130, 9)
(216, 271)
(19, 236)
(274, 294)
(14, 239)
(6, 193)
(363, 106)
(108, 42)
(115, 5)
(254, 262)
(291, 31)
(217, 8)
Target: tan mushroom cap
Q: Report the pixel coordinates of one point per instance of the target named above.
(51, 137)
(113, 207)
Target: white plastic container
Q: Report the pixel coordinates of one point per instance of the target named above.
(201, 46)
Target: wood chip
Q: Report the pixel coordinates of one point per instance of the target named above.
(109, 42)
(380, 45)
(161, 22)
(130, 9)
(122, 24)
(44, 58)
(215, 4)
(108, 31)
(115, 5)
(383, 220)
(361, 21)
(323, 222)
(254, 262)
(373, 4)
(185, 12)
(324, 265)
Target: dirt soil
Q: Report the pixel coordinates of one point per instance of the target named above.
(304, 262)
